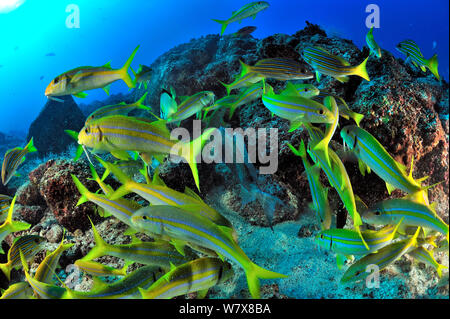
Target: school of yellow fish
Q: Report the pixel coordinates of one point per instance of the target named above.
(177, 220)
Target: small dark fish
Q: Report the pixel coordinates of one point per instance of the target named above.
(244, 31)
(50, 54)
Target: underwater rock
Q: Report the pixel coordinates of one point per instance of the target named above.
(48, 128)
(30, 214)
(404, 108)
(28, 194)
(61, 195)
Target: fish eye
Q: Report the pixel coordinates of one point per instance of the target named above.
(144, 217)
(56, 80)
(306, 90)
(321, 112)
(86, 130)
(377, 212)
(321, 236)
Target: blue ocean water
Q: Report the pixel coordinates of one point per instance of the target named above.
(37, 44)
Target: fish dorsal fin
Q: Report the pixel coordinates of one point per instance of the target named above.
(193, 194)
(290, 90)
(227, 230)
(135, 240)
(157, 180)
(108, 65)
(161, 126)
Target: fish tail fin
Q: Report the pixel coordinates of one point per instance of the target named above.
(82, 189)
(30, 146)
(361, 70)
(433, 66)
(301, 151)
(100, 245)
(14, 226)
(191, 150)
(357, 117)
(254, 274)
(245, 68)
(140, 102)
(439, 269)
(224, 24)
(227, 87)
(124, 70)
(6, 269)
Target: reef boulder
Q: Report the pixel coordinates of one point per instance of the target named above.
(48, 128)
(54, 183)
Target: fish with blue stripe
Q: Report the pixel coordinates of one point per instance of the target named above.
(78, 80)
(323, 62)
(192, 105)
(30, 245)
(5, 202)
(347, 242)
(178, 223)
(319, 193)
(121, 108)
(382, 259)
(157, 193)
(195, 276)
(412, 52)
(118, 134)
(157, 253)
(296, 109)
(388, 212)
(370, 151)
(12, 160)
(337, 176)
(372, 44)
(424, 255)
(11, 226)
(246, 95)
(282, 69)
(241, 81)
(249, 10)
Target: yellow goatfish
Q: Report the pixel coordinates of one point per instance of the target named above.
(84, 78)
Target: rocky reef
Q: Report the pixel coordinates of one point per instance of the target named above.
(405, 109)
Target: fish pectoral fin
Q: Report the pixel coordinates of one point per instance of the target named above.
(340, 261)
(179, 246)
(424, 69)
(342, 79)
(122, 155)
(81, 95)
(106, 89)
(295, 124)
